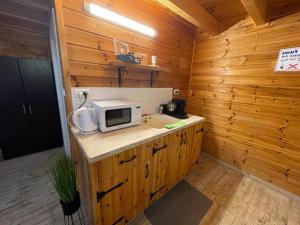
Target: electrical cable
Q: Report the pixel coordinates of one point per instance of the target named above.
(85, 94)
(85, 98)
(68, 119)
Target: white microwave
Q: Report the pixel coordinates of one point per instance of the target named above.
(117, 114)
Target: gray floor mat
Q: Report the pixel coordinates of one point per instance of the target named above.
(182, 205)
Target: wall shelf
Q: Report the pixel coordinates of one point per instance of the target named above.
(123, 67)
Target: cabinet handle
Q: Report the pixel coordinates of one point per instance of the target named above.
(125, 161)
(24, 110)
(146, 171)
(29, 106)
(101, 194)
(185, 141)
(181, 139)
(154, 193)
(119, 220)
(198, 131)
(154, 150)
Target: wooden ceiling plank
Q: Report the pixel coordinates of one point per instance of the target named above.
(21, 18)
(193, 12)
(20, 23)
(279, 9)
(258, 10)
(35, 4)
(9, 7)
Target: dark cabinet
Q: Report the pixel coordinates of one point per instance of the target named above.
(15, 129)
(29, 110)
(39, 88)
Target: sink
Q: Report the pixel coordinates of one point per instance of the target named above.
(158, 121)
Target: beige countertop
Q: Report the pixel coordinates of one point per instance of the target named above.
(103, 145)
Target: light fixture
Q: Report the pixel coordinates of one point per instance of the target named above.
(118, 19)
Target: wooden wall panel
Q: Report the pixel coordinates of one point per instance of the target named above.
(23, 43)
(24, 28)
(252, 112)
(89, 45)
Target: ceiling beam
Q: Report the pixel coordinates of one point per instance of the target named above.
(258, 10)
(193, 12)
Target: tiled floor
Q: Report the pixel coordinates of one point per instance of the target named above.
(27, 197)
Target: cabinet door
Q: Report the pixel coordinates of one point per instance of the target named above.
(196, 146)
(173, 159)
(116, 165)
(40, 92)
(128, 175)
(111, 199)
(137, 183)
(15, 132)
(158, 170)
(144, 185)
(185, 143)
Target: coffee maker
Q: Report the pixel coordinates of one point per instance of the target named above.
(176, 108)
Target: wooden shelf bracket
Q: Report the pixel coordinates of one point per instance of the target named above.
(123, 68)
(153, 73)
(121, 71)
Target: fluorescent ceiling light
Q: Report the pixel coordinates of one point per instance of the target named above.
(118, 19)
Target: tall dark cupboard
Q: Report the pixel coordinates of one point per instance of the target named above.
(29, 115)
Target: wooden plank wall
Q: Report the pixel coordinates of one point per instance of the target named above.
(90, 45)
(253, 113)
(22, 43)
(24, 28)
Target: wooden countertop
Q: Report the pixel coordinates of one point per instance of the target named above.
(103, 145)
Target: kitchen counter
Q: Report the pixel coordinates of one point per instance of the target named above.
(103, 145)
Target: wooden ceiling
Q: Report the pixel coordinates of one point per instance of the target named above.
(211, 16)
(30, 15)
(225, 10)
(281, 8)
(229, 12)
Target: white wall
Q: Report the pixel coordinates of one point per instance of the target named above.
(149, 98)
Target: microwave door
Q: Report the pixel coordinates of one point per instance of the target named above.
(116, 117)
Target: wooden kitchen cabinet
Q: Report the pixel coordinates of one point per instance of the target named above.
(128, 182)
(179, 154)
(117, 180)
(158, 170)
(196, 145)
(186, 141)
(111, 200)
(137, 183)
(173, 159)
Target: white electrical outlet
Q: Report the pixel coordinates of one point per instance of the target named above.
(176, 91)
(80, 92)
(78, 97)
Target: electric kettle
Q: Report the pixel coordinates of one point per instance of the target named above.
(85, 120)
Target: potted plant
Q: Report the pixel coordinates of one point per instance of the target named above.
(63, 177)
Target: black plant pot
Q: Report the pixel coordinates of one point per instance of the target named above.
(71, 207)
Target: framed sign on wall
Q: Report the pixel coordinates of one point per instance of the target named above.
(288, 60)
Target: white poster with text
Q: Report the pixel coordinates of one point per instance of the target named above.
(288, 60)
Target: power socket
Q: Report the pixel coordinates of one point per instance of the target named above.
(79, 96)
(85, 94)
(176, 91)
(81, 92)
